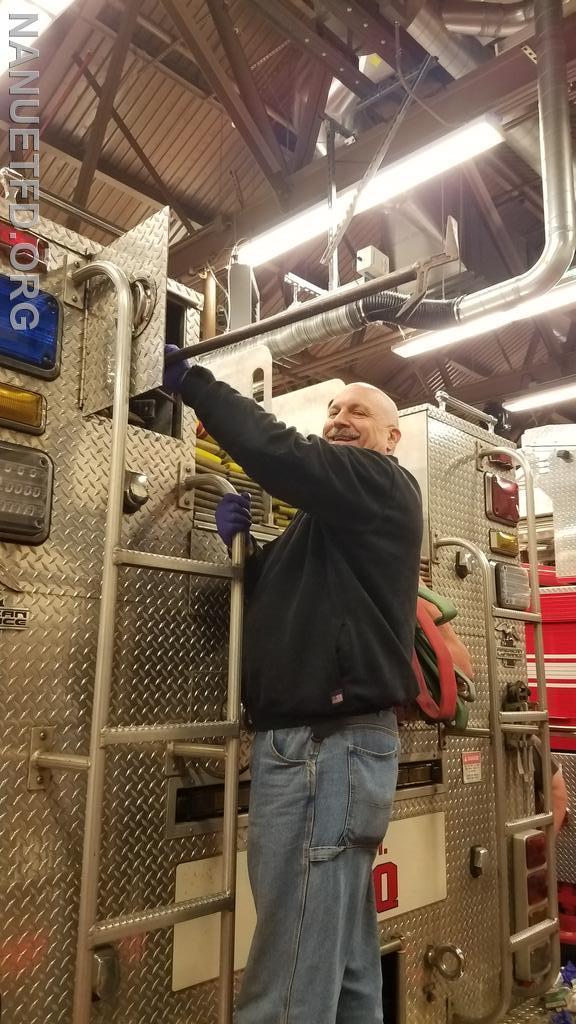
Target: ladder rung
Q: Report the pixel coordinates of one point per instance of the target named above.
(531, 936)
(160, 917)
(523, 824)
(165, 563)
(199, 750)
(133, 735)
(522, 717)
(511, 613)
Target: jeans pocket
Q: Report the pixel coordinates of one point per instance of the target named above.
(288, 746)
(371, 787)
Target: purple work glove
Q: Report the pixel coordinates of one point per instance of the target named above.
(233, 516)
(174, 374)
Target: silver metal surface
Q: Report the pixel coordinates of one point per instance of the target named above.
(486, 19)
(143, 249)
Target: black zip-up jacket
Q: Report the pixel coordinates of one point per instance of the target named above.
(330, 616)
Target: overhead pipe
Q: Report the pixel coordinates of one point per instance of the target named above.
(557, 177)
(478, 18)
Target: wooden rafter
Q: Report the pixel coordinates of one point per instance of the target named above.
(241, 69)
(169, 197)
(105, 104)
(302, 30)
(212, 70)
(374, 31)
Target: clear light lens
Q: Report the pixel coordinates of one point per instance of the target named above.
(449, 151)
(513, 587)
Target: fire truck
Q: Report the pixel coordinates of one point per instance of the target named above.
(124, 769)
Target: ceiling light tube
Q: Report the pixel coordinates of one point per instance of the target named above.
(537, 399)
(449, 151)
(560, 297)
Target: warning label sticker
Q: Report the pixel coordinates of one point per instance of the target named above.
(471, 766)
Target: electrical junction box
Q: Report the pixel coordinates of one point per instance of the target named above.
(370, 262)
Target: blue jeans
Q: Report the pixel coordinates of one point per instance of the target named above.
(318, 810)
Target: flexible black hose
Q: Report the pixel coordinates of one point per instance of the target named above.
(386, 307)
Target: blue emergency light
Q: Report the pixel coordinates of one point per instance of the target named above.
(30, 330)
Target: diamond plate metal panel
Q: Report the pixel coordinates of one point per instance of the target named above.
(58, 234)
(143, 250)
(566, 840)
(45, 679)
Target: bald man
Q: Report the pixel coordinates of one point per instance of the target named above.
(328, 641)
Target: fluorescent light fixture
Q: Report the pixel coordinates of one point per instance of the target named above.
(449, 151)
(536, 399)
(13, 13)
(563, 295)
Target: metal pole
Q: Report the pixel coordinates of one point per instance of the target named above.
(333, 273)
(208, 315)
(320, 305)
(105, 649)
(230, 817)
(64, 762)
(489, 601)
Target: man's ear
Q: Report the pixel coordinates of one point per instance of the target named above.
(395, 436)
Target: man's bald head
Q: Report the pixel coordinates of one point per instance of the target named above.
(365, 417)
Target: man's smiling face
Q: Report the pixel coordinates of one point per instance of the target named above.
(364, 417)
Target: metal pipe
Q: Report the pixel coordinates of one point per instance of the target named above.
(489, 596)
(444, 399)
(202, 750)
(531, 821)
(105, 648)
(523, 716)
(477, 18)
(208, 314)
(557, 176)
(65, 762)
(230, 814)
(322, 304)
(333, 269)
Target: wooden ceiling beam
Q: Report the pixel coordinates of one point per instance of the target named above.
(70, 153)
(169, 198)
(211, 68)
(303, 31)
(105, 104)
(372, 29)
(244, 80)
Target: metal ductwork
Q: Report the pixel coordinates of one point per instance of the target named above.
(382, 307)
(477, 18)
(457, 56)
(460, 57)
